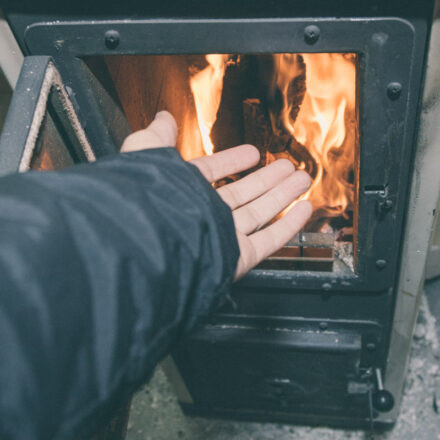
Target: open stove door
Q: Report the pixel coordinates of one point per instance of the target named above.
(45, 128)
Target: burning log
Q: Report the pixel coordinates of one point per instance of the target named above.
(251, 104)
(272, 146)
(302, 157)
(228, 130)
(258, 132)
(284, 89)
(262, 115)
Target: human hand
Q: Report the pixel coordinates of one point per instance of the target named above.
(254, 200)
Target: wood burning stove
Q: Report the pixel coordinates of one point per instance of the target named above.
(335, 89)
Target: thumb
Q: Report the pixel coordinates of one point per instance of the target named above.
(162, 132)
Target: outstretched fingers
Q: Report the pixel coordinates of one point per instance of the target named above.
(258, 213)
(260, 245)
(254, 185)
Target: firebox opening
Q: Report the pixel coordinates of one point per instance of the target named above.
(298, 106)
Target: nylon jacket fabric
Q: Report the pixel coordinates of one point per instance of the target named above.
(103, 267)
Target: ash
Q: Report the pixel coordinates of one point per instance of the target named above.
(344, 251)
(155, 414)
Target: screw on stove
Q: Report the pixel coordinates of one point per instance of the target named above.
(112, 39)
(311, 34)
(394, 90)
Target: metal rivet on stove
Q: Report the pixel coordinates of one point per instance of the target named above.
(112, 39)
(326, 286)
(380, 264)
(311, 34)
(394, 89)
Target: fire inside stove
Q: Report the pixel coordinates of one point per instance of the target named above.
(299, 107)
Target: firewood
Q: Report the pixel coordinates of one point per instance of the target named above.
(228, 130)
(302, 158)
(271, 96)
(257, 130)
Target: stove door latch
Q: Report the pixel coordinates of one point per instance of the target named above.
(383, 400)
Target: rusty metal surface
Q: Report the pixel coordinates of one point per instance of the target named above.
(313, 239)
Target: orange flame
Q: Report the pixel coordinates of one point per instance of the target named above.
(325, 124)
(207, 86)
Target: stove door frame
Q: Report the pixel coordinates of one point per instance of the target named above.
(388, 59)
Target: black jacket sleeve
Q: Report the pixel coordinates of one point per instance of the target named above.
(102, 268)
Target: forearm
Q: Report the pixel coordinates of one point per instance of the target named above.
(100, 269)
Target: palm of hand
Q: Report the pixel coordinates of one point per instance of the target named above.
(254, 200)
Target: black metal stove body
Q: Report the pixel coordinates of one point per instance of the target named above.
(291, 345)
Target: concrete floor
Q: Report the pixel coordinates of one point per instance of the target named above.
(155, 414)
